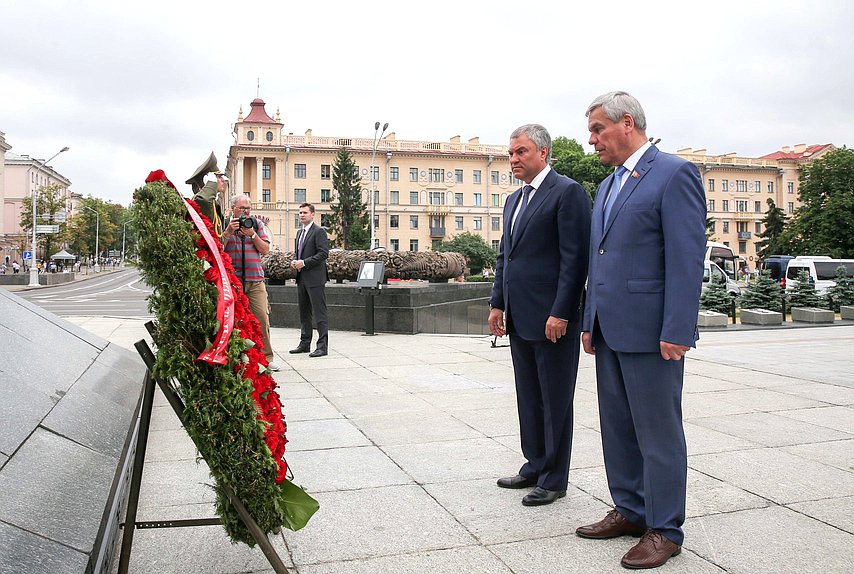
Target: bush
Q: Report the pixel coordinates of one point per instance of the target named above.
(843, 292)
(804, 293)
(764, 293)
(715, 297)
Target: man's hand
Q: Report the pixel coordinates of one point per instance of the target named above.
(297, 264)
(496, 322)
(555, 328)
(587, 343)
(671, 351)
(231, 229)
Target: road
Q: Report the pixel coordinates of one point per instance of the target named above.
(118, 294)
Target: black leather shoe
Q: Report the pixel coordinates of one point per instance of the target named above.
(299, 349)
(317, 353)
(540, 496)
(517, 481)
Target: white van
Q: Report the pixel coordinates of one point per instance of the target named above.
(724, 256)
(821, 269)
(713, 270)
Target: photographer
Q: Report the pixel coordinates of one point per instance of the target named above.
(246, 241)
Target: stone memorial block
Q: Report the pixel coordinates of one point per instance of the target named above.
(847, 311)
(761, 317)
(711, 319)
(812, 315)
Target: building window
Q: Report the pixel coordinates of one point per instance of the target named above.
(394, 244)
(758, 227)
(711, 184)
(790, 208)
(265, 195)
(356, 171)
(790, 187)
(741, 185)
(297, 223)
(269, 136)
(496, 244)
(757, 186)
(437, 198)
(394, 221)
(711, 227)
(394, 173)
(299, 170)
(458, 223)
(265, 171)
(724, 185)
(496, 200)
(478, 223)
(325, 171)
(740, 205)
(725, 226)
(376, 171)
(725, 205)
(299, 195)
(413, 174)
(413, 198)
(496, 224)
(458, 175)
(326, 195)
(324, 219)
(494, 177)
(770, 187)
(250, 135)
(376, 196)
(376, 221)
(458, 199)
(710, 205)
(742, 246)
(478, 199)
(757, 206)
(475, 176)
(437, 175)
(413, 222)
(413, 245)
(394, 197)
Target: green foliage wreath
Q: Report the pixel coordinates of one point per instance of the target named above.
(222, 401)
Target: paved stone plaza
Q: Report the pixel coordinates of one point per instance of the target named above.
(401, 439)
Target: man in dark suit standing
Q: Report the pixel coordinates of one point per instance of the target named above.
(539, 281)
(311, 249)
(647, 248)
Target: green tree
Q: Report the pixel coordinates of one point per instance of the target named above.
(348, 221)
(49, 202)
(473, 247)
(774, 223)
(82, 227)
(842, 293)
(804, 293)
(570, 160)
(764, 293)
(824, 223)
(715, 297)
(710, 228)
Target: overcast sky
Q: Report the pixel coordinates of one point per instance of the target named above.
(133, 87)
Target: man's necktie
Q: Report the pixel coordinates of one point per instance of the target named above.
(613, 192)
(526, 194)
(299, 243)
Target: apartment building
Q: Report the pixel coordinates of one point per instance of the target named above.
(423, 192)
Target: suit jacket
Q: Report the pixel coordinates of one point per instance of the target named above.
(542, 263)
(646, 261)
(315, 250)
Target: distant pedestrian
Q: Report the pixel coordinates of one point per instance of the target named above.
(16, 268)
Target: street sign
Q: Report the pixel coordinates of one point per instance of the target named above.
(47, 229)
(60, 216)
(27, 255)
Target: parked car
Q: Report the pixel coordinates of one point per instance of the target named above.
(776, 265)
(821, 270)
(713, 270)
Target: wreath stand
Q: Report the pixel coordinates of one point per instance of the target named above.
(130, 524)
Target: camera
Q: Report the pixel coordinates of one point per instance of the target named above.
(247, 222)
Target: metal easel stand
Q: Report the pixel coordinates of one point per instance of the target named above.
(130, 524)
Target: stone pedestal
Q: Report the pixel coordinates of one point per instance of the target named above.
(847, 311)
(760, 317)
(711, 319)
(812, 315)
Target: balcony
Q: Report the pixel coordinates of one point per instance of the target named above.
(746, 215)
(744, 235)
(437, 232)
(437, 209)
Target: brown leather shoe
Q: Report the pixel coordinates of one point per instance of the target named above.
(652, 551)
(613, 525)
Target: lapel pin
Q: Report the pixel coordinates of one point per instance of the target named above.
(635, 175)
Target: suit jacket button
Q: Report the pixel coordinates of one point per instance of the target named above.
(601, 252)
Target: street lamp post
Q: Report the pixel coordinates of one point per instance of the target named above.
(124, 228)
(34, 272)
(373, 179)
(97, 236)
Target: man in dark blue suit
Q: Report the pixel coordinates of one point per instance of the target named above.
(647, 247)
(536, 298)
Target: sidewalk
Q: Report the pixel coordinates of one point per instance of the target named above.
(79, 276)
(402, 437)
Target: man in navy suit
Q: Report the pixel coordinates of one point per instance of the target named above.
(536, 298)
(647, 247)
(311, 248)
